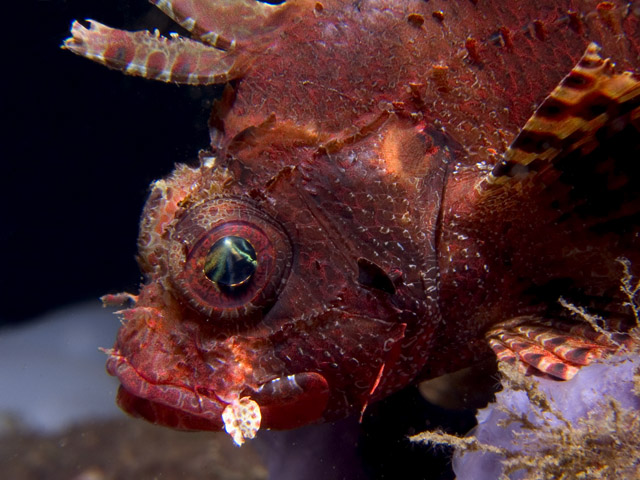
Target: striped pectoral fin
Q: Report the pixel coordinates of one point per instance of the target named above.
(555, 348)
(148, 55)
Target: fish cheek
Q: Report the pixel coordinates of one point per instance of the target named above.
(347, 350)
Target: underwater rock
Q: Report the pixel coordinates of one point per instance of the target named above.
(542, 428)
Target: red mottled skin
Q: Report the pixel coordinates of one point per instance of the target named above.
(354, 130)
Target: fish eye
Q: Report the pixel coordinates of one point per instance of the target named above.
(230, 262)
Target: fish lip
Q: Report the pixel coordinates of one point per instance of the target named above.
(195, 407)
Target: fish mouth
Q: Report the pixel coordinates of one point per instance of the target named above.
(170, 405)
(285, 402)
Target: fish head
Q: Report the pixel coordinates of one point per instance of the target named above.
(273, 281)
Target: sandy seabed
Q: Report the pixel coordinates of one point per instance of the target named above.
(125, 448)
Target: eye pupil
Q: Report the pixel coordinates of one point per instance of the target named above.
(231, 262)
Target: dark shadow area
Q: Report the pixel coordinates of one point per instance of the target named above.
(81, 144)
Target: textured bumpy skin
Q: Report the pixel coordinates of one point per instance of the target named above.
(392, 205)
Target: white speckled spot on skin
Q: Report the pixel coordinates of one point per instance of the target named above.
(242, 419)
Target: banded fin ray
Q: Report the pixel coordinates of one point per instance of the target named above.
(552, 347)
(590, 98)
(152, 56)
(571, 177)
(223, 23)
(228, 36)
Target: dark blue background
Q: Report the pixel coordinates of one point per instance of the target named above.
(81, 144)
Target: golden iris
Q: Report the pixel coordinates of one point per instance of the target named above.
(231, 262)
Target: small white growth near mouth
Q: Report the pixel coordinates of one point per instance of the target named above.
(242, 419)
